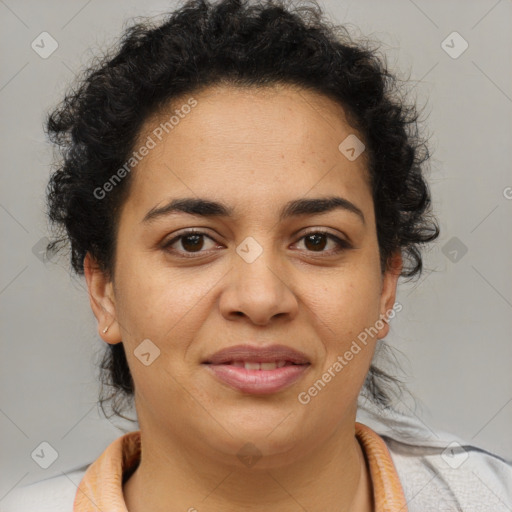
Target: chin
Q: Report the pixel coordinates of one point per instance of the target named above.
(262, 452)
(278, 436)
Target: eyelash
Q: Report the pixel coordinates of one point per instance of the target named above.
(342, 244)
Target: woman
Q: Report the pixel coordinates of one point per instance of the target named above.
(242, 188)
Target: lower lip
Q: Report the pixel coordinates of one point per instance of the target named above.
(261, 382)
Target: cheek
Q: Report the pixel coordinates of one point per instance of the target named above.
(350, 300)
(348, 309)
(166, 310)
(161, 303)
(349, 343)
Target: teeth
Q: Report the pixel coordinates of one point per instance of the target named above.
(259, 366)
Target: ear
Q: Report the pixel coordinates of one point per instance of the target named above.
(388, 292)
(101, 297)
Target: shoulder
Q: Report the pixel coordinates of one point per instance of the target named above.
(441, 472)
(55, 494)
(458, 476)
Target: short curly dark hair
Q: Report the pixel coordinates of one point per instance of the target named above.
(245, 44)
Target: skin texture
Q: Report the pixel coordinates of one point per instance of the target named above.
(255, 150)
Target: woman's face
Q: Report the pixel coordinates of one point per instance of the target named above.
(258, 276)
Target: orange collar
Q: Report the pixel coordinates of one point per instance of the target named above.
(101, 488)
(388, 494)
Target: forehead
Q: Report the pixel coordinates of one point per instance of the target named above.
(247, 143)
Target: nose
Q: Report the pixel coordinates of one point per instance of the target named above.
(258, 291)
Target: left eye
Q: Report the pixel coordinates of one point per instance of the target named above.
(318, 240)
(193, 242)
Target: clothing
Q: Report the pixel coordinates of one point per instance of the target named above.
(439, 471)
(101, 487)
(403, 454)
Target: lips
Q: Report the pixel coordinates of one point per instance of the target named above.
(252, 354)
(258, 370)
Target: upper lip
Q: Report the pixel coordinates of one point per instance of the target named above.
(257, 354)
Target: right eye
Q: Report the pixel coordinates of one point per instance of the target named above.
(191, 241)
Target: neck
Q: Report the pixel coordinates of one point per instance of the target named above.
(171, 478)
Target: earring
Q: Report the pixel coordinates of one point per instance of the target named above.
(106, 329)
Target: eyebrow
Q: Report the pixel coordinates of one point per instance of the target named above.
(207, 208)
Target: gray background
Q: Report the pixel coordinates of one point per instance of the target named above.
(455, 328)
